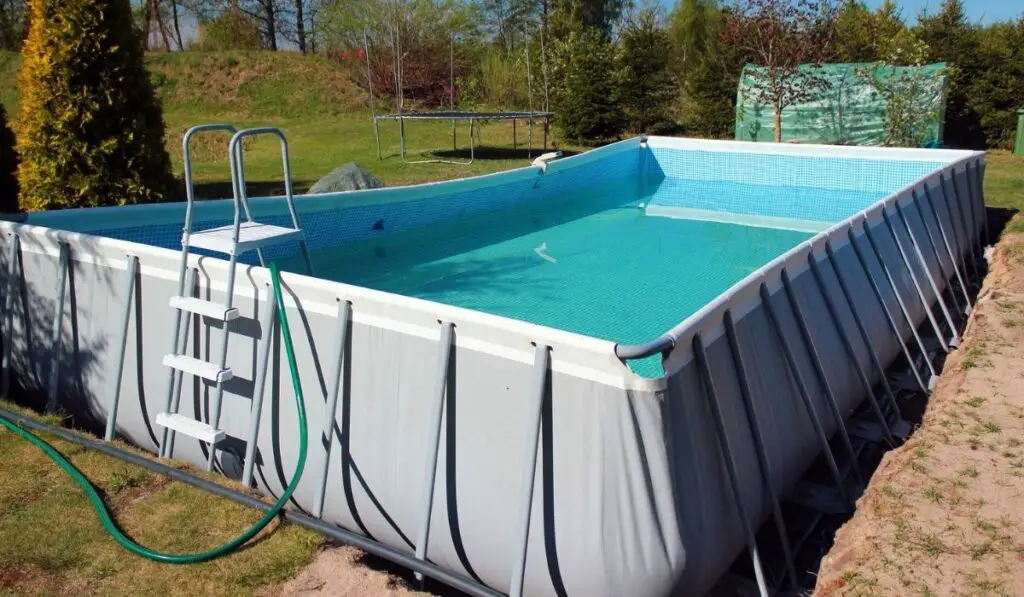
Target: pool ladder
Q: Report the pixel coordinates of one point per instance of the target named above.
(241, 236)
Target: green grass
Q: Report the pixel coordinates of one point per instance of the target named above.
(1004, 185)
(324, 114)
(52, 543)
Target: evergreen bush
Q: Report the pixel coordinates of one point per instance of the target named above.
(586, 106)
(90, 130)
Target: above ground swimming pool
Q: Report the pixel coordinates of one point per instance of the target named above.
(607, 309)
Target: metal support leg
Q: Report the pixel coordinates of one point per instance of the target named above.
(129, 294)
(852, 354)
(928, 275)
(949, 250)
(58, 318)
(542, 359)
(976, 208)
(268, 327)
(434, 444)
(529, 143)
(514, 144)
(730, 465)
(899, 301)
(819, 369)
(341, 333)
(805, 396)
(218, 395)
(762, 454)
(968, 246)
(13, 252)
(913, 279)
(979, 182)
(947, 278)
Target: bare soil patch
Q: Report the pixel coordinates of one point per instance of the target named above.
(944, 513)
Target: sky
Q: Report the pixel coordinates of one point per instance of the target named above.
(983, 11)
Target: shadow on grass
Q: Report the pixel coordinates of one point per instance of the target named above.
(491, 153)
(260, 188)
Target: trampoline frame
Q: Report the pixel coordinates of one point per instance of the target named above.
(472, 117)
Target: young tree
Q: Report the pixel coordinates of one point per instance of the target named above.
(586, 106)
(90, 130)
(645, 84)
(706, 69)
(8, 167)
(787, 39)
(912, 108)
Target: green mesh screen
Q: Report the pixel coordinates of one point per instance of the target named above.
(848, 110)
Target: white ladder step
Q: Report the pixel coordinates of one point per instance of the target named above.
(251, 235)
(190, 427)
(205, 308)
(194, 366)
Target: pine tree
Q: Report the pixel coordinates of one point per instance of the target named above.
(91, 131)
(8, 166)
(586, 107)
(646, 88)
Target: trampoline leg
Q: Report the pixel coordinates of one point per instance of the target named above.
(514, 144)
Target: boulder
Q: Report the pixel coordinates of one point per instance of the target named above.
(346, 178)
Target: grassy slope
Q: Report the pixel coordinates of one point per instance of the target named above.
(322, 111)
(52, 543)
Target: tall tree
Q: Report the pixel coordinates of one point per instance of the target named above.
(951, 38)
(90, 129)
(577, 15)
(645, 84)
(786, 39)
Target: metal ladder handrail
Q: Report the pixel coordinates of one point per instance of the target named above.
(235, 154)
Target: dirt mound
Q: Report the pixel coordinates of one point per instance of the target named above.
(944, 514)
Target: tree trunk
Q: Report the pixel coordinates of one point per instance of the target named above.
(271, 25)
(177, 24)
(161, 27)
(778, 124)
(300, 26)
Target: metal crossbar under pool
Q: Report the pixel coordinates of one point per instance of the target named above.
(515, 455)
(472, 117)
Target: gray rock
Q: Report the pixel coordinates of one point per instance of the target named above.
(346, 178)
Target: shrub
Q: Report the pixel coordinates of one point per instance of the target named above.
(8, 166)
(586, 106)
(230, 30)
(90, 131)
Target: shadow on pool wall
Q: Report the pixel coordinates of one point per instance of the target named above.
(632, 491)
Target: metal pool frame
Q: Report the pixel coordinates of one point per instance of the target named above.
(472, 117)
(756, 383)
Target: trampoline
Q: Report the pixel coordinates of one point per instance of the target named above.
(472, 117)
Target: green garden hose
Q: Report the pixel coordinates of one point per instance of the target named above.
(166, 558)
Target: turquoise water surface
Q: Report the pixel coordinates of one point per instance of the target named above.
(596, 265)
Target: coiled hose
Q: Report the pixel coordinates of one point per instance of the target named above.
(167, 558)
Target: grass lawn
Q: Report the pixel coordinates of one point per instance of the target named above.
(52, 543)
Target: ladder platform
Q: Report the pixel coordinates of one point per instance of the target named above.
(205, 308)
(193, 366)
(190, 427)
(251, 235)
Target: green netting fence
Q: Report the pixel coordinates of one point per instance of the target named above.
(847, 108)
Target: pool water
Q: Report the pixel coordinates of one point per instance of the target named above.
(595, 264)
